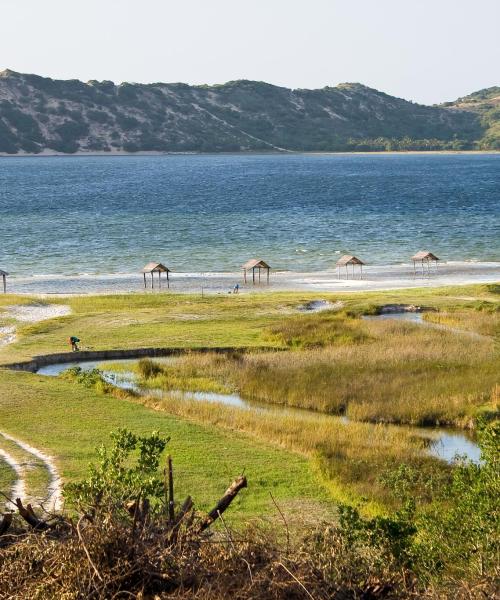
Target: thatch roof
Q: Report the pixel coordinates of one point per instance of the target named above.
(255, 263)
(424, 255)
(4, 273)
(349, 259)
(154, 267)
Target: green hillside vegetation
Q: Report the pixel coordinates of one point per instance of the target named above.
(38, 113)
(486, 104)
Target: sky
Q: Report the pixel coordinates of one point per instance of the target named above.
(427, 51)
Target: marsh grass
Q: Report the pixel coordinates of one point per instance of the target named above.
(400, 373)
(351, 458)
(67, 421)
(484, 319)
(153, 375)
(317, 331)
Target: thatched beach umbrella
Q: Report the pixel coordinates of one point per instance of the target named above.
(424, 257)
(4, 274)
(154, 267)
(349, 259)
(255, 263)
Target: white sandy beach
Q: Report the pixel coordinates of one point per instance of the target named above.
(389, 277)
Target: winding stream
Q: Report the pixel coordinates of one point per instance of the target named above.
(445, 444)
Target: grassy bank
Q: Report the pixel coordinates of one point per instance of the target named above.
(351, 459)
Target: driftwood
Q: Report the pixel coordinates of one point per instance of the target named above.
(229, 495)
(29, 516)
(5, 523)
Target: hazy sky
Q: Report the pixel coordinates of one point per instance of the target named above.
(424, 50)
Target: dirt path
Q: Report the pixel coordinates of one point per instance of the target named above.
(52, 500)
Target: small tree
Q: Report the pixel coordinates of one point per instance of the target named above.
(127, 471)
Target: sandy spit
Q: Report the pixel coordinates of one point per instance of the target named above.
(33, 313)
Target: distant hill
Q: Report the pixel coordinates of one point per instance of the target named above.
(41, 114)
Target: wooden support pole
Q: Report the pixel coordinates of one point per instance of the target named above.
(268, 270)
(253, 275)
(171, 513)
(152, 280)
(145, 284)
(245, 275)
(229, 495)
(4, 277)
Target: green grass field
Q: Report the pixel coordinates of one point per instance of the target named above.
(68, 422)
(178, 320)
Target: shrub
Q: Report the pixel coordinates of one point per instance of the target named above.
(148, 368)
(126, 471)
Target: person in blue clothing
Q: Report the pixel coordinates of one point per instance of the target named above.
(236, 288)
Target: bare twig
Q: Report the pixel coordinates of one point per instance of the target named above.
(295, 579)
(8, 498)
(98, 575)
(230, 537)
(284, 521)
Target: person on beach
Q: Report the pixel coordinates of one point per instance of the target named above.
(236, 288)
(73, 340)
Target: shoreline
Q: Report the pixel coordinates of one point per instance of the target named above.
(375, 278)
(116, 153)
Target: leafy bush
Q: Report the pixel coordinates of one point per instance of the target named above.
(126, 471)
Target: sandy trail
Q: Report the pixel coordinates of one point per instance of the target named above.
(18, 489)
(53, 498)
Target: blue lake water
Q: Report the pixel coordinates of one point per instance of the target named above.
(107, 215)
